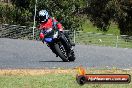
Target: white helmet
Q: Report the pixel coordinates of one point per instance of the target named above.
(43, 15)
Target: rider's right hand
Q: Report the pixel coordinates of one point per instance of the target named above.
(41, 35)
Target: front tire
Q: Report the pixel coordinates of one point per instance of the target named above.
(72, 57)
(59, 53)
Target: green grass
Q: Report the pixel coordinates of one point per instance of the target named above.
(92, 36)
(88, 27)
(63, 80)
(102, 40)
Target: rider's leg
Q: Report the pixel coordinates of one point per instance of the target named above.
(66, 35)
(65, 42)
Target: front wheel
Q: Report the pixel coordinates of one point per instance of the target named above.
(60, 53)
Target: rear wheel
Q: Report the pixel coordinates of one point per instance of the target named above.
(61, 52)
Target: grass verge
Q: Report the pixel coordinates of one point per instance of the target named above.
(89, 27)
(102, 40)
(54, 78)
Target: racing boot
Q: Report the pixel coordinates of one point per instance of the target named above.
(72, 44)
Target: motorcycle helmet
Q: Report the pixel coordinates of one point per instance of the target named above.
(43, 15)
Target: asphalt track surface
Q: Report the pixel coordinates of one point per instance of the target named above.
(16, 53)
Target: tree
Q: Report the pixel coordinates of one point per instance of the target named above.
(101, 12)
(63, 10)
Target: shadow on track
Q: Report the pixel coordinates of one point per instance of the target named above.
(50, 61)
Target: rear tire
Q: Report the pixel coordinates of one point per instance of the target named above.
(59, 53)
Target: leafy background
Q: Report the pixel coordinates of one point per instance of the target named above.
(72, 13)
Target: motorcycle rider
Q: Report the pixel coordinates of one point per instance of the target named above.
(47, 22)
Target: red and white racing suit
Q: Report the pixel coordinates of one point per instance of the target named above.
(49, 25)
